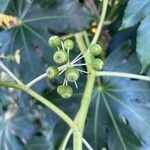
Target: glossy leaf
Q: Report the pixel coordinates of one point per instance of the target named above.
(143, 42)
(135, 11)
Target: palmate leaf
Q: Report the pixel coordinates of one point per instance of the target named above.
(120, 107)
(31, 36)
(14, 130)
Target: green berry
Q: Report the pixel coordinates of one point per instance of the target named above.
(65, 91)
(68, 44)
(97, 64)
(72, 74)
(54, 41)
(95, 49)
(10, 58)
(52, 72)
(61, 57)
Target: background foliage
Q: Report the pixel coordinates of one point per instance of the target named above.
(119, 113)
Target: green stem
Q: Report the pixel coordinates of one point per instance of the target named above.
(113, 10)
(21, 86)
(86, 99)
(39, 78)
(65, 141)
(85, 102)
(44, 101)
(100, 25)
(87, 41)
(122, 74)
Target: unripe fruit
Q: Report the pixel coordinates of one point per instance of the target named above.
(54, 41)
(61, 57)
(97, 64)
(95, 49)
(72, 74)
(68, 44)
(10, 58)
(65, 91)
(52, 72)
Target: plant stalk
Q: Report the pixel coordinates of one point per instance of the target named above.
(86, 99)
(42, 100)
(123, 75)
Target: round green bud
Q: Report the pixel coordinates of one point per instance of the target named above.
(54, 41)
(65, 91)
(72, 74)
(52, 72)
(95, 49)
(10, 58)
(61, 57)
(97, 64)
(68, 44)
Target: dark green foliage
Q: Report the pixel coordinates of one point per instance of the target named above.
(119, 115)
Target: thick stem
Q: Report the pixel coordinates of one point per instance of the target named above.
(86, 99)
(44, 101)
(77, 140)
(123, 75)
(100, 25)
(85, 102)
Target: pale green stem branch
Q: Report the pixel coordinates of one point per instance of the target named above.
(39, 78)
(22, 86)
(122, 74)
(10, 73)
(63, 146)
(87, 144)
(100, 25)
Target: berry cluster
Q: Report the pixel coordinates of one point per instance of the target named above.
(69, 68)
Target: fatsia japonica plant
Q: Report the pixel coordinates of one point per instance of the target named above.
(74, 74)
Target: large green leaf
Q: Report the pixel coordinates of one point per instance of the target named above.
(14, 130)
(31, 36)
(136, 10)
(120, 107)
(143, 42)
